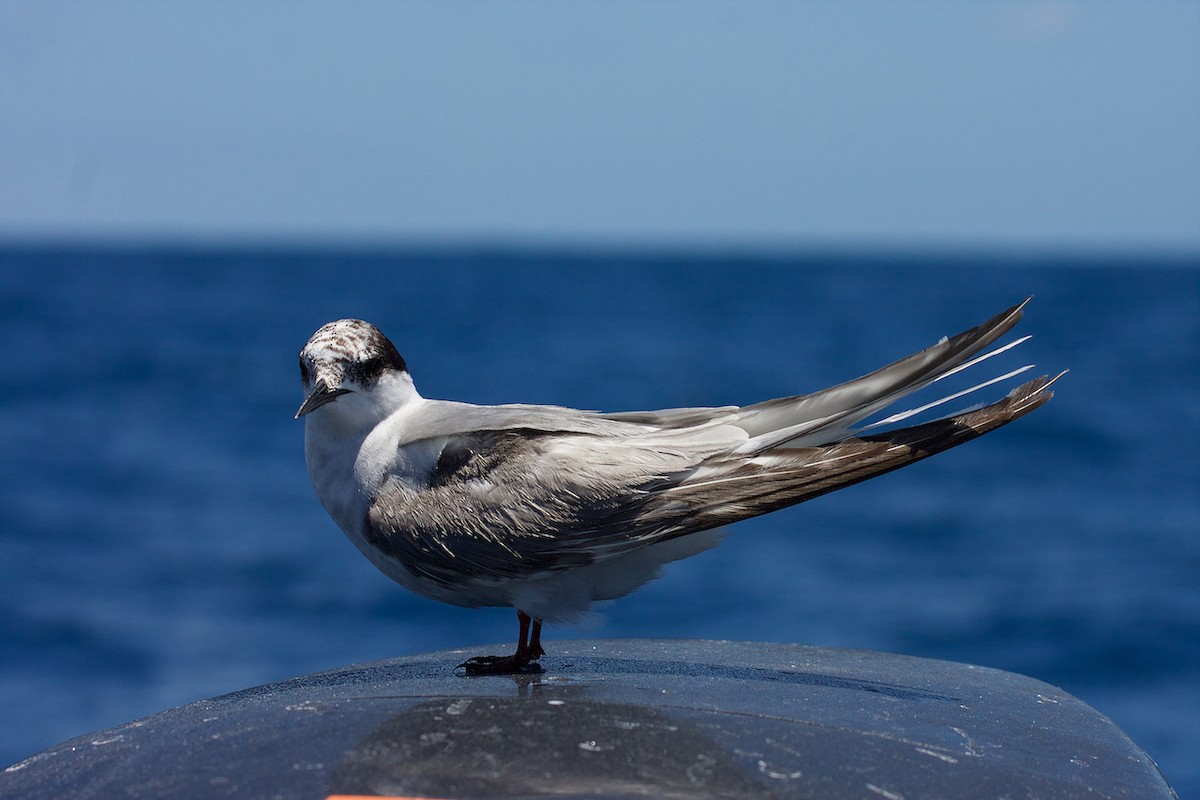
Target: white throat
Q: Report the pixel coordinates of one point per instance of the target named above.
(343, 471)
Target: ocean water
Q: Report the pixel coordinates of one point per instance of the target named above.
(160, 542)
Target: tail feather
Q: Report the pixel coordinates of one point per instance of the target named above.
(735, 488)
(903, 415)
(830, 414)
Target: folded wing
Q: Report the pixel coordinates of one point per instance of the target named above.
(534, 490)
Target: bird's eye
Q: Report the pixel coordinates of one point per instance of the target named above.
(305, 375)
(373, 365)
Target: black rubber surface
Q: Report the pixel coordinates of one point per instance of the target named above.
(618, 718)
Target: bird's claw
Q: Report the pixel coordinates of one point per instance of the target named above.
(500, 665)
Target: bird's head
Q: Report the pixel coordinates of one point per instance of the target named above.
(352, 357)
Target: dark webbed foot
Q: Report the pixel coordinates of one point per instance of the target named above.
(500, 665)
(522, 662)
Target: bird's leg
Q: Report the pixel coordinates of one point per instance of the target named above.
(523, 621)
(529, 650)
(535, 641)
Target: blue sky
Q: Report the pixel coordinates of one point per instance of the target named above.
(760, 124)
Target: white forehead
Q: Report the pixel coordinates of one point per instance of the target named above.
(343, 339)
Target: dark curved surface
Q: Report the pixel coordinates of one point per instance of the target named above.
(618, 718)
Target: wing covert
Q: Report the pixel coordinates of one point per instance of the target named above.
(513, 502)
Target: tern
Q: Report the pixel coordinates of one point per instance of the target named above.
(548, 509)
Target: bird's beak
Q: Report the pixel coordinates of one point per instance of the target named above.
(319, 396)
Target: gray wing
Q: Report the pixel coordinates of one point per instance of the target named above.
(515, 503)
(669, 418)
(447, 418)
